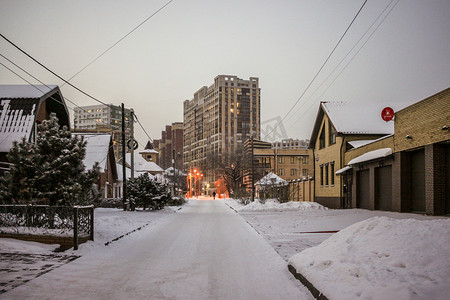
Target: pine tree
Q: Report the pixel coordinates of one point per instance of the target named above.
(51, 170)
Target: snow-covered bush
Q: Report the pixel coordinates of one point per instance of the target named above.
(147, 193)
(50, 170)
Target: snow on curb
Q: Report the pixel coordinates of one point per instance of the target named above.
(274, 205)
(381, 258)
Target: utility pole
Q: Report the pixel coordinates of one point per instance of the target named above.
(174, 174)
(132, 150)
(124, 168)
(253, 173)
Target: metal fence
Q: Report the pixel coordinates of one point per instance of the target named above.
(76, 221)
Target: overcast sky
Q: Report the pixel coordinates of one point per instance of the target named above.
(188, 43)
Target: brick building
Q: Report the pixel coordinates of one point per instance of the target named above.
(409, 170)
(171, 139)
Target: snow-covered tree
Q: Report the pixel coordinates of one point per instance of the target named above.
(146, 192)
(50, 170)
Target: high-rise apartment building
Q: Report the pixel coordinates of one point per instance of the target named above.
(219, 119)
(103, 118)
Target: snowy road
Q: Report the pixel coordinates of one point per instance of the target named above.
(204, 251)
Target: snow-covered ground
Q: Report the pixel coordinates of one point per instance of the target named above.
(373, 255)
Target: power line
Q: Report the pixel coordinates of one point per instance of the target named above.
(23, 70)
(137, 119)
(357, 52)
(121, 39)
(323, 65)
(49, 70)
(345, 57)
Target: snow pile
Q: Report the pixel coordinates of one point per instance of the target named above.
(381, 258)
(275, 205)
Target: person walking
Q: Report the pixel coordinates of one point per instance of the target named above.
(214, 195)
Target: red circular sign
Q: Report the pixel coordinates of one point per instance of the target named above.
(387, 114)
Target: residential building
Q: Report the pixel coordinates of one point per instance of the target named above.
(104, 119)
(219, 119)
(171, 140)
(288, 163)
(22, 108)
(291, 144)
(340, 126)
(409, 170)
(99, 150)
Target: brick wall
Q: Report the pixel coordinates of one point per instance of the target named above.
(423, 122)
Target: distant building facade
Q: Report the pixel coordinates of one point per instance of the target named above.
(103, 119)
(291, 144)
(219, 119)
(171, 139)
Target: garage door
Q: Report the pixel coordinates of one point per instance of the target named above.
(418, 181)
(447, 176)
(362, 189)
(383, 188)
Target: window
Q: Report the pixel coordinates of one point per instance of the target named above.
(332, 173)
(332, 139)
(305, 172)
(322, 138)
(305, 159)
(293, 172)
(321, 175)
(326, 174)
(281, 172)
(293, 160)
(281, 159)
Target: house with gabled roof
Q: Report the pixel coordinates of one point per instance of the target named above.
(339, 127)
(23, 107)
(99, 149)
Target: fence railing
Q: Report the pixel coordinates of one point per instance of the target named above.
(76, 221)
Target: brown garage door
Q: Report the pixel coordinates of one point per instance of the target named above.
(383, 188)
(362, 189)
(418, 181)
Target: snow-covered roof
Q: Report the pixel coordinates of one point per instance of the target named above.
(142, 165)
(97, 149)
(169, 171)
(346, 168)
(148, 151)
(19, 105)
(16, 121)
(371, 155)
(270, 179)
(25, 91)
(356, 117)
(128, 171)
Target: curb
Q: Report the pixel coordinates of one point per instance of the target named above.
(314, 291)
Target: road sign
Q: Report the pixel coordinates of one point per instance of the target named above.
(387, 114)
(132, 143)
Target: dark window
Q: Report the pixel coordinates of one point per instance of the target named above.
(326, 174)
(321, 175)
(332, 134)
(322, 139)
(332, 173)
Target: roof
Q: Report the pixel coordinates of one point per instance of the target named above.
(356, 118)
(128, 171)
(97, 148)
(148, 151)
(169, 171)
(142, 165)
(19, 107)
(271, 179)
(371, 155)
